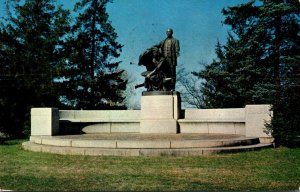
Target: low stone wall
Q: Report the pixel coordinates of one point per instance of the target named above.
(230, 114)
(249, 121)
(100, 121)
(98, 115)
(227, 121)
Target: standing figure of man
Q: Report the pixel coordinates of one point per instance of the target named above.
(170, 50)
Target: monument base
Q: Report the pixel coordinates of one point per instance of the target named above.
(159, 112)
(159, 126)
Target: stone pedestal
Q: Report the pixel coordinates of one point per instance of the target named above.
(160, 111)
(44, 121)
(256, 118)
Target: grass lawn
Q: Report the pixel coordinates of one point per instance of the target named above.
(267, 169)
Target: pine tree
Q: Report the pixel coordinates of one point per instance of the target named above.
(30, 49)
(91, 76)
(259, 63)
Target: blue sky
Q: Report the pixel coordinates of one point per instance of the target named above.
(197, 24)
(140, 24)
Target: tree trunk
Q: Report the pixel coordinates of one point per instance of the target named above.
(92, 72)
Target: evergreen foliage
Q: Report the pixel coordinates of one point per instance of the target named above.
(259, 64)
(30, 47)
(47, 62)
(91, 79)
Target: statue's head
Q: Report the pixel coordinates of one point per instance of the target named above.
(169, 32)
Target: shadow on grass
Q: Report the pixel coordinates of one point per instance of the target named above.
(12, 140)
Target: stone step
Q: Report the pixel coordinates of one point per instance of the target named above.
(137, 152)
(134, 141)
(130, 144)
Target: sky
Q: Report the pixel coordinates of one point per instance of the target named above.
(140, 24)
(197, 24)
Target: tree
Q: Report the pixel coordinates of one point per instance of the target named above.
(30, 47)
(90, 76)
(259, 63)
(188, 86)
(235, 78)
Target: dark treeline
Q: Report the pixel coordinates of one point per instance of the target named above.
(48, 59)
(259, 64)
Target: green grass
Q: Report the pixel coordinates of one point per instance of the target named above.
(268, 169)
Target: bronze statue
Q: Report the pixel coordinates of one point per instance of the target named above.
(170, 50)
(160, 61)
(156, 66)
